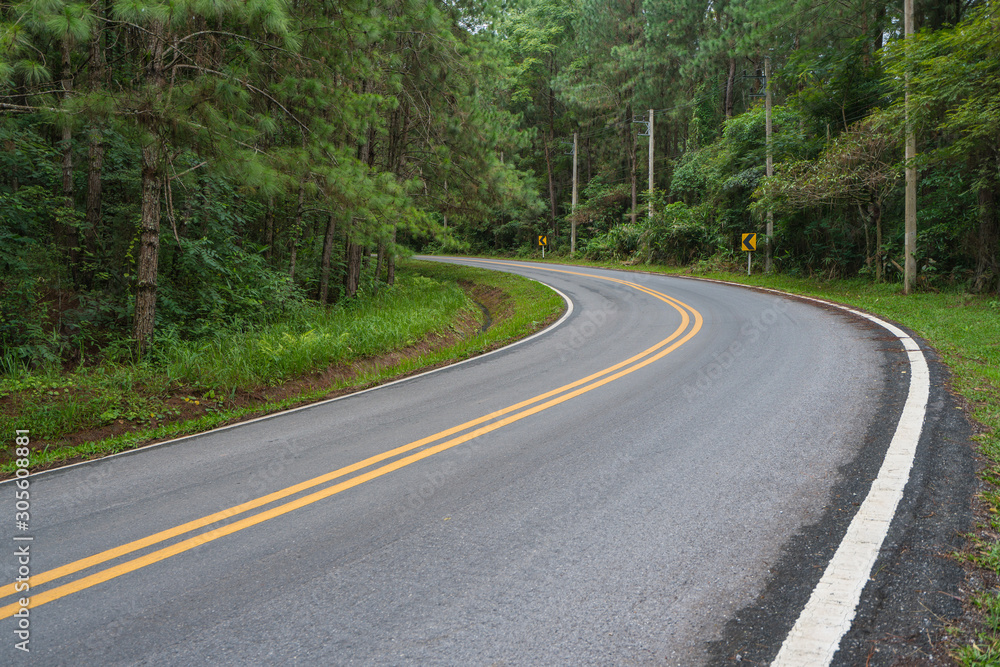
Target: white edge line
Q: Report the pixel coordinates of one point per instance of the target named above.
(815, 638)
(830, 611)
(137, 450)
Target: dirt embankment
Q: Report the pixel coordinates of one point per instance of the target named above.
(184, 403)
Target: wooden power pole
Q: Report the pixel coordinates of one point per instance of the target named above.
(572, 234)
(770, 160)
(910, 239)
(651, 163)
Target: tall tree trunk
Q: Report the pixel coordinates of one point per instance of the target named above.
(324, 277)
(355, 254)
(552, 188)
(269, 230)
(95, 187)
(987, 242)
(630, 143)
(390, 269)
(68, 230)
(149, 248)
(296, 230)
(95, 161)
(352, 276)
(397, 161)
(380, 252)
(548, 150)
(876, 215)
(149, 226)
(866, 223)
(623, 165)
(67, 130)
(730, 80)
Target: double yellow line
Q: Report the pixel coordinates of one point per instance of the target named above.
(691, 323)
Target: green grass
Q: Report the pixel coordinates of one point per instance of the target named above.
(984, 652)
(426, 301)
(316, 337)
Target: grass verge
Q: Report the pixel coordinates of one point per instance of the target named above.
(427, 319)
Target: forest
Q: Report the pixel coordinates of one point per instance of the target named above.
(170, 169)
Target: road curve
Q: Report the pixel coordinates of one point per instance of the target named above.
(673, 458)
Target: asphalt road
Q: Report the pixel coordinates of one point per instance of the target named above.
(677, 506)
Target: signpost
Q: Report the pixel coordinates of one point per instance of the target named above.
(749, 246)
(543, 241)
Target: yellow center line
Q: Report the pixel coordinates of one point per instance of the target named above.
(166, 552)
(125, 549)
(116, 552)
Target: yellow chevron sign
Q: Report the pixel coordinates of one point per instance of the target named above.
(749, 242)
(543, 240)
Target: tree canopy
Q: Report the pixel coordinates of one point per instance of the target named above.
(170, 166)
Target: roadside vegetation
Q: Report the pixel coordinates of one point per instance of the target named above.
(434, 314)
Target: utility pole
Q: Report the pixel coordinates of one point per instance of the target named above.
(910, 239)
(446, 205)
(650, 163)
(770, 158)
(647, 132)
(572, 235)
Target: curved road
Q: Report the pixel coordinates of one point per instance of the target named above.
(659, 479)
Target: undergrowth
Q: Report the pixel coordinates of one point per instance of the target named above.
(142, 394)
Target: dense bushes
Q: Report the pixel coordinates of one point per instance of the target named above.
(675, 234)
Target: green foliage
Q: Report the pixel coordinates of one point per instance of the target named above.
(215, 282)
(221, 284)
(314, 337)
(720, 178)
(679, 234)
(26, 262)
(954, 79)
(604, 205)
(619, 243)
(976, 655)
(676, 233)
(948, 213)
(835, 88)
(139, 395)
(220, 115)
(955, 82)
(691, 178)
